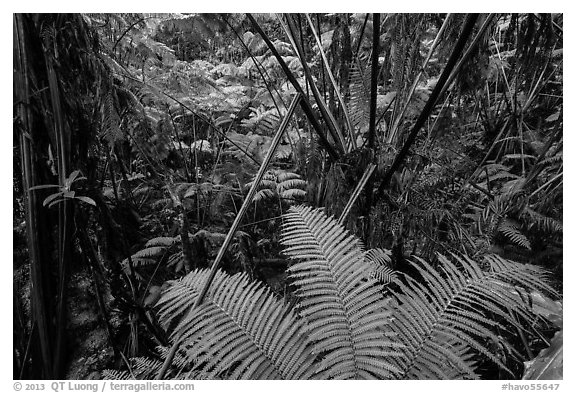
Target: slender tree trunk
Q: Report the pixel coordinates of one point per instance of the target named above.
(36, 224)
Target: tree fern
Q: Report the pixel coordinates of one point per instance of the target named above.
(433, 325)
(348, 316)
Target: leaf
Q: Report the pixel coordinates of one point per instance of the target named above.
(55, 202)
(441, 315)
(161, 242)
(549, 362)
(508, 228)
(240, 331)
(52, 197)
(87, 200)
(72, 177)
(349, 319)
(150, 252)
(44, 186)
(553, 117)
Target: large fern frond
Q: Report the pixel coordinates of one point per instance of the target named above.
(348, 316)
(240, 331)
(453, 312)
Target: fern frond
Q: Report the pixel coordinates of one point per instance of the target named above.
(263, 122)
(282, 176)
(116, 375)
(348, 316)
(509, 229)
(111, 131)
(240, 329)
(145, 368)
(148, 368)
(454, 307)
(380, 262)
(291, 184)
(264, 194)
(149, 252)
(279, 183)
(293, 193)
(359, 82)
(162, 242)
(542, 222)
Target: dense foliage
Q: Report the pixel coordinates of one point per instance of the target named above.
(287, 196)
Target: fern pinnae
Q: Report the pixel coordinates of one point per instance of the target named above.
(347, 314)
(166, 241)
(236, 330)
(451, 305)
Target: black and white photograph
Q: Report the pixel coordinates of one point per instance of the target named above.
(287, 196)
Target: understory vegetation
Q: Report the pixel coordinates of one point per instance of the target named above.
(288, 196)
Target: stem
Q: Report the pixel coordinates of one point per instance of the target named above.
(306, 107)
(367, 173)
(334, 84)
(372, 122)
(394, 128)
(466, 32)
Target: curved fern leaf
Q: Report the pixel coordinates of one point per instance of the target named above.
(542, 222)
(282, 176)
(264, 194)
(454, 308)
(149, 252)
(293, 193)
(162, 242)
(348, 316)
(240, 329)
(508, 229)
(289, 184)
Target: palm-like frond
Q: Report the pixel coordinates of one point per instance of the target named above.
(348, 316)
(240, 330)
(454, 310)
